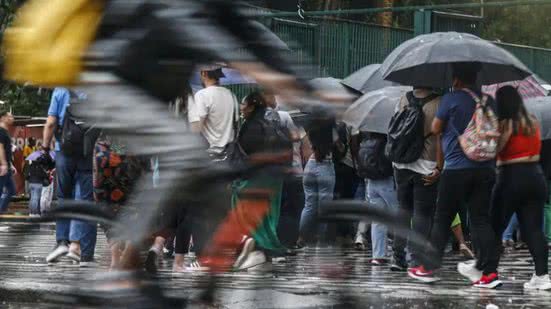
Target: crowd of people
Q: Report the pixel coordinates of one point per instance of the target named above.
(434, 184)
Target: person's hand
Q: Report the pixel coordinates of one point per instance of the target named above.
(13, 170)
(3, 170)
(432, 178)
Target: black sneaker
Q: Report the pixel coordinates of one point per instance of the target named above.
(396, 265)
(151, 262)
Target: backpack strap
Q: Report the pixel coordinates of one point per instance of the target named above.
(476, 98)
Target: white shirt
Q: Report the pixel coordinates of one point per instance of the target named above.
(218, 106)
(288, 122)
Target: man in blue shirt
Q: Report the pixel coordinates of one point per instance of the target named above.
(463, 182)
(75, 239)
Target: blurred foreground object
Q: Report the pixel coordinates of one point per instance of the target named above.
(47, 40)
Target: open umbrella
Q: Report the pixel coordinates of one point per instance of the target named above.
(541, 108)
(426, 60)
(372, 112)
(37, 154)
(368, 78)
(528, 88)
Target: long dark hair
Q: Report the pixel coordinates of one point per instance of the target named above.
(255, 99)
(510, 106)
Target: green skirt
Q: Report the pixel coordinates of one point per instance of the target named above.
(265, 234)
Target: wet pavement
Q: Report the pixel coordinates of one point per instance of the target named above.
(315, 278)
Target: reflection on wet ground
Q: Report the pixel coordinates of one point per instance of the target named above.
(315, 278)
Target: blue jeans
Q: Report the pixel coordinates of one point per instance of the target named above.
(511, 228)
(382, 194)
(74, 181)
(6, 182)
(35, 190)
(319, 184)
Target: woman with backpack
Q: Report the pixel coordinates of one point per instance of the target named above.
(521, 185)
(260, 140)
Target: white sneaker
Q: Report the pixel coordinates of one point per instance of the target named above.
(88, 264)
(248, 247)
(253, 260)
(359, 242)
(58, 252)
(469, 271)
(538, 283)
(195, 266)
(73, 256)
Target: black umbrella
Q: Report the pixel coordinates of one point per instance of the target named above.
(541, 108)
(373, 111)
(368, 78)
(426, 60)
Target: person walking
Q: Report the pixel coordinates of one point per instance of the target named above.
(75, 239)
(521, 185)
(463, 181)
(7, 170)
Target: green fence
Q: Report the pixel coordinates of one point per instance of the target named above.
(537, 59)
(340, 47)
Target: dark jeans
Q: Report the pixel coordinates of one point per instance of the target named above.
(292, 203)
(417, 204)
(74, 181)
(521, 189)
(183, 223)
(471, 187)
(346, 185)
(6, 182)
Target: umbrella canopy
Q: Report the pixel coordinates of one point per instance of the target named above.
(37, 154)
(373, 111)
(426, 60)
(334, 87)
(368, 78)
(541, 108)
(528, 88)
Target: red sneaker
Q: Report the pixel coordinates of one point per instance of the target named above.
(490, 281)
(423, 275)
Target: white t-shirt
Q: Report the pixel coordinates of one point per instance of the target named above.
(218, 106)
(288, 122)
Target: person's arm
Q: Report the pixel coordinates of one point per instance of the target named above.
(3, 161)
(48, 132)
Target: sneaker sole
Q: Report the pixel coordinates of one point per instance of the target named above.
(423, 279)
(247, 249)
(545, 288)
(397, 268)
(492, 285)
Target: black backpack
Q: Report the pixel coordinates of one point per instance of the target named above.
(76, 138)
(372, 162)
(406, 139)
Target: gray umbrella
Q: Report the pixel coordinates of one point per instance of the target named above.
(426, 60)
(373, 111)
(368, 78)
(541, 108)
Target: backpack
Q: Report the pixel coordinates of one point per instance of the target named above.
(76, 138)
(480, 138)
(372, 162)
(277, 136)
(406, 139)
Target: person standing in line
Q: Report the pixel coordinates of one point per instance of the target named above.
(7, 170)
(463, 181)
(417, 182)
(521, 185)
(75, 239)
(318, 182)
(214, 113)
(293, 193)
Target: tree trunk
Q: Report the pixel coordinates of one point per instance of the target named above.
(385, 18)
